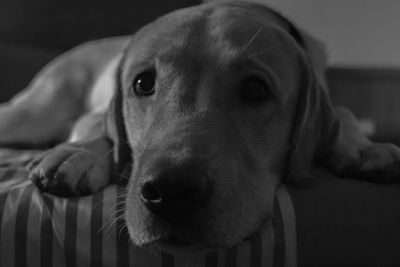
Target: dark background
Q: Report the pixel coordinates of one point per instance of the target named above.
(34, 31)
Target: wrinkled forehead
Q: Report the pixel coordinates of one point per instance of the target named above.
(221, 31)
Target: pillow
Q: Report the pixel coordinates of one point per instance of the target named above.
(38, 229)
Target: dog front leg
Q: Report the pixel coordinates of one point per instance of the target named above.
(354, 155)
(79, 167)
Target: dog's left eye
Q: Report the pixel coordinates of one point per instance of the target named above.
(255, 90)
(144, 83)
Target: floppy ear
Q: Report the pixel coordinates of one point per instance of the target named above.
(316, 128)
(115, 128)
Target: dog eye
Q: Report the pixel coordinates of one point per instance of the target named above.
(144, 83)
(255, 90)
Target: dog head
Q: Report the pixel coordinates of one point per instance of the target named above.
(218, 103)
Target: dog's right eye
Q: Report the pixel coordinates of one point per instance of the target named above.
(144, 83)
(255, 90)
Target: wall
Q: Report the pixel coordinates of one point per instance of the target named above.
(358, 33)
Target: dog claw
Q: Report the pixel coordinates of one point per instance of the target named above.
(54, 185)
(68, 171)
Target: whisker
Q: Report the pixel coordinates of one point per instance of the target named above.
(112, 221)
(107, 226)
(119, 195)
(263, 52)
(251, 40)
(107, 153)
(125, 227)
(122, 176)
(117, 212)
(124, 141)
(122, 229)
(114, 212)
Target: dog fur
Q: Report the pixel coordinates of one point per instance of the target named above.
(240, 105)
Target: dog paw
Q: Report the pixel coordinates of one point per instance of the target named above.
(378, 163)
(69, 170)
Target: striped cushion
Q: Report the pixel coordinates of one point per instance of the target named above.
(38, 229)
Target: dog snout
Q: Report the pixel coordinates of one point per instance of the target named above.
(176, 191)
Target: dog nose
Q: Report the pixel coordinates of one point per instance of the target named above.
(177, 191)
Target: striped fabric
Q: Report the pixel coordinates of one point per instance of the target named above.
(38, 229)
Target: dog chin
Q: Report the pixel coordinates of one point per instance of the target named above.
(173, 244)
(177, 245)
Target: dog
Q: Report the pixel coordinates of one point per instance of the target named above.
(202, 113)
